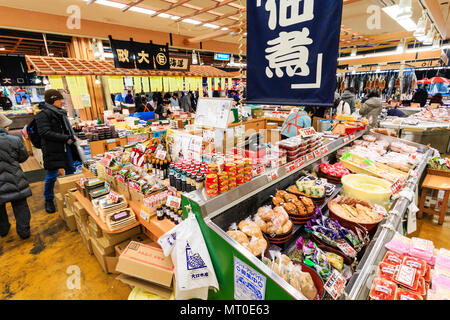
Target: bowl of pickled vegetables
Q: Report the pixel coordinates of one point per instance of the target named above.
(367, 188)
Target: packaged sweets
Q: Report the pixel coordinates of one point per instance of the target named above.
(399, 244)
(386, 271)
(393, 258)
(335, 260)
(421, 248)
(403, 294)
(382, 289)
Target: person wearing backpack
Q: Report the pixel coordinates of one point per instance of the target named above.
(343, 108)
(57, 142)
(14, 187)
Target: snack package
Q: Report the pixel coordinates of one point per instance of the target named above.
(386, 271)
(257, 246)
(416, 263)
(443, 259)
(250, 228)
(266, 213)
(335, 260)
(382, 289)
(403, 294)
(421, 248)
(393, 258)
(239, 236)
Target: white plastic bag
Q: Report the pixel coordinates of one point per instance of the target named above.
(194, 271)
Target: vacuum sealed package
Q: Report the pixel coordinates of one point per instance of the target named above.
(382, 289)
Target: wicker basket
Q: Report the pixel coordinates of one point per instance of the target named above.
(437, 172)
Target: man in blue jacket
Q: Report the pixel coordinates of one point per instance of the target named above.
(296, 120)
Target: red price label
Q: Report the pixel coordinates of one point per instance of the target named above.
(172, 190)
(108, 172)
(317, 153)
(300, 162)
(352, 136)
(290, 167)
(309, 156)
(335, 284)
(173, 202)
(346, 248)
(273, 175)
(113, 196)
(324, 150)
(397, 186)
(346, 139)
(258, 170)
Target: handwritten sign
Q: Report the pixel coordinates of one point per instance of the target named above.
(307, 132)
(290, 167)
(335, 284)
(161, 154)
(114, 197)
(120, 178)
(346, 248)
(258, 170)
(272, 175)
(317, 153)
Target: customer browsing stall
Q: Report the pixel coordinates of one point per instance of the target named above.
(58, 142)
(372, 108)
(296, 120)
(14, 187)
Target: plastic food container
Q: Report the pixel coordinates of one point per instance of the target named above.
(416, 263)
(367, 188)
(382, 289)
(403, 294)
(393, 258)
(386, 271)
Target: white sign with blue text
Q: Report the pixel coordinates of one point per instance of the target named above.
(248, 283)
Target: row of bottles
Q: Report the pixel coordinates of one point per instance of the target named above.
(173, 214)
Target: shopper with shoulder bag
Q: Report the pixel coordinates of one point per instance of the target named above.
(14, 187)
(343, 108)
(58, 142)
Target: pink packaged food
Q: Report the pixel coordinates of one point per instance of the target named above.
(443, 259)
(407, 277)
(399, 244)
(393, 258)
(386, 271)
(421, 248)
(416, 263)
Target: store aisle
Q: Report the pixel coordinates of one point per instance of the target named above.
(37, 267)
(428, 228)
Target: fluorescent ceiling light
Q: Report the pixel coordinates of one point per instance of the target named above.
(164, 15)
(225, 29)
(213, 26)
(2, 49)
(378, 54)
(110, 4)
(175, 17)
(191, 21)
(141, 10)
(406, 23)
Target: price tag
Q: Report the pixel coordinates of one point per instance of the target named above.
(144, 215)
(107, 186)
(309, 157)
(346, 248)
(335, 284)
(300, 162)
(113, 196)
(111, 141)
(307, 132)
(346, 139)
(161, 154)
(120, 178)
(258, 170)
(397, 186)
(290, 167)
(83, 143)
(406, 275)
(272, 175)
(276, 163)
(324, 150)
(352, 137)
(108, 172)
(173, 202)
(133, 184)
(317, 153)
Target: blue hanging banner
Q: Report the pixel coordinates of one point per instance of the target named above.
(292, 51)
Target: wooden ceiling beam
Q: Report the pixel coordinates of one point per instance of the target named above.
(215, 6)
(131, 5)
(172, 6)
(227, 15)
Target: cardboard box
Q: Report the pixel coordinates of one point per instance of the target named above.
(63, 184)
(137, 196)
(86, 239)
(59, 204)
(103, 246)
(70, 198)
(115, 238)
(79, 210)
(123, 189)
(146, 263)
(94, 231)
(145, 285)
(107, 263)
(142, 238)
(69, 218)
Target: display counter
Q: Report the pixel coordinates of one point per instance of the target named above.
(216, 215)
(19, 121)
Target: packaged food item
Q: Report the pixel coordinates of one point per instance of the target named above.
(382, 289)
(407, 277)
(421, 248)
(443, 259)
(239, 236)
(403, 294)
(335, 260)
(416, 263)
(250, 228)
(393, 258)
(399, 244)
(257, 246)
(386, 271)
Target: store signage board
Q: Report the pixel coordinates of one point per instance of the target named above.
(179, 63)
(305, 33)
(335, 284)
(307, 132)
(213, 112)
(249, 284)
(222, 56)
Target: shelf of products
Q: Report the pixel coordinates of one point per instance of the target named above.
(236, 225)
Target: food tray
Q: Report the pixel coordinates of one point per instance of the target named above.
(330, 178)
(300, 220)
(318, 282)
(317, 201)
(279, 239)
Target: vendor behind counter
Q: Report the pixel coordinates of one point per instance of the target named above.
(295, 121)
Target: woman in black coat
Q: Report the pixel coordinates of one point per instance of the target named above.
(14, 186)
(58, 143)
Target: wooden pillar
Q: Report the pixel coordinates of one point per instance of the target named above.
(81, 48)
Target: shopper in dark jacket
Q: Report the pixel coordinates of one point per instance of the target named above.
(421, 96)
(372, 108)
(14, 186)
(5, 102)
(349, 96)
(58, 142)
